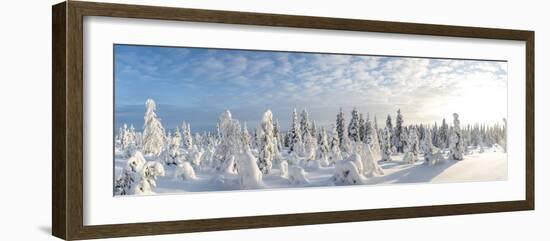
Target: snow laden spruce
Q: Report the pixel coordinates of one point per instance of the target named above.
(352, 151)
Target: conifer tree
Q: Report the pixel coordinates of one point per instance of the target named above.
(295, 135)
(246, 136)
(353, 127)
(456, 141)
(386, 144)
(362, 135)
(153, 133)
(173, 155)
(504, 135)
(335, 145)
(341, 130)
(305, 124)
(399, 140)
(186, 135)
(443, 139)
(389, 126)
(323, 147)
(267, 146)
(277, 135)
(369, 131)
(128, 141)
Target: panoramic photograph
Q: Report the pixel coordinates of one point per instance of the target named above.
(190, 119)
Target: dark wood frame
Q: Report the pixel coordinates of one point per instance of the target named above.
(67, 120)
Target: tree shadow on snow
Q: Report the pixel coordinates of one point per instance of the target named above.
(413, 173)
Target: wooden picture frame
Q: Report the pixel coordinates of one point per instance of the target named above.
(67, 123)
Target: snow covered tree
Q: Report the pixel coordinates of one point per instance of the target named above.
(431, 154)
(369, 162)
(334, 145)
(128, 141)
(267, 147)
(185, 171)
(386, 144)
(466, 136)
(286, 139)
(310, 146)
(314, 130)
(377, 131)
(389, 126)
(341, 128)
(305, 124)
(353, 127)
(254, 143)
(399, 141)
(295, 135)
(310, 142)
(149, 173)
(297, 176)
(139, 176)
(443, 138)
(456, 141)
(411, 147)
(361, 128)
(230, 145)
(173, 155)
(375, 145)
(435, 134)
(426, 145)
(349, 171)
(250, 177)
(504, 134)
(118, 137)
(389, 123)
(246, 135)
(277, 135)
(369, 131)
(186, 135)
(124, 182)
(376, 124)
(323, 152)
(153, 132)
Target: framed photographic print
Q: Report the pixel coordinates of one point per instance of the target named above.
(213, 120)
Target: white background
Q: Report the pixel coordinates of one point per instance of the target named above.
(25, 92)
(100, 207)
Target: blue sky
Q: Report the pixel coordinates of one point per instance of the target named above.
(196, 84)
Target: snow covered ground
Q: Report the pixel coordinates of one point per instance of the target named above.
(490, 165)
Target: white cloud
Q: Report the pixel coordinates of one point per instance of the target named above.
(424, 89)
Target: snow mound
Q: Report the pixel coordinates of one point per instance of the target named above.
(294, 159)
(283, 166)
(150, 171)
(250, 175)
(224, 182)
(144, 188)
(153, 169)
(314, 164)
(195, 157)
(297, 175)
(357, 161)
(136, 162)
(230, 168)
(185, 171)
(347, 172)
(370, 164)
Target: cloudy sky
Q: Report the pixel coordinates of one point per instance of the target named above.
(196, 84)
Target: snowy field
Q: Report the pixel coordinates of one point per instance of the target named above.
(490, 165)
